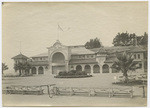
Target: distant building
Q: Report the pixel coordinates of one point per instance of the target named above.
(95, 61)
(20, 58)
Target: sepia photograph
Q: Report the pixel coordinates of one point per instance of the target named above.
(75, 54)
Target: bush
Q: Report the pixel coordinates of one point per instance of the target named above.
(72, 74)
(75, 76)
(63, 73)
(81, 73)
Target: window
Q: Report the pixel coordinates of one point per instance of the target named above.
(134, 56)
(83, 56)
(91, 56)
(140, 65)
(87, 56)
(138, 56)
(40, 58)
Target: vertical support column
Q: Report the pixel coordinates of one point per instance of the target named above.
(83, 67)
(37, 70)
(110, 69)
(101, 69)
(50, 67)
(66, 65)
(30, 71)
(91, 69)
(43, 69)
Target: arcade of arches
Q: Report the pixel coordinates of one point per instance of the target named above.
(59, 64)
(37, 70)
(93, 68)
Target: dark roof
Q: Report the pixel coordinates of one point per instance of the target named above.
(81, 51)
(82, 61)
(114, 49)
(137, 49)
(20, 56)
(39, 63)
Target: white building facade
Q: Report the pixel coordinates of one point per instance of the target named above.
(94, 61)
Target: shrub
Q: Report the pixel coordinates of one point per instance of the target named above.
(72, 74)
(75, 76)
(81, 73)
(73, 71)
(63, 73)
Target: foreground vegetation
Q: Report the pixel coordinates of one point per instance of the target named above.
(73, 74)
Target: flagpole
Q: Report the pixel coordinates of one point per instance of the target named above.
(20, 47)
(57, 32)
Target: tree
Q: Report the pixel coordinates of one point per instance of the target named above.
(4, 67)
(22, 67)
(126, 39)
(122, 39)
(93, 43)
(144, 40)
(27, 67)
(124, 63)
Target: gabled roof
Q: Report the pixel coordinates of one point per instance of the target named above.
(39, 63)
(20, 56)
(42, 55)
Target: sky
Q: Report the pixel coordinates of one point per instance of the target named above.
(36, 24)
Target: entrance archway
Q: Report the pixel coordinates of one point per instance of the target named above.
(105, 68)
(78, 68)
(96, 69)
(87, 68)
(58, 57)
(33, 70)
(40, 70)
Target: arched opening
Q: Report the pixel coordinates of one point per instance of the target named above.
(33, 70)
(105, 68)
(58, 57)
(96, 69)
(87, 69)
(40, 70)
(78, 68)
(59, 63)
(27, 72)
(113, 69)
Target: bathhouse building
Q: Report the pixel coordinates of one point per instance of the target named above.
(60, 57)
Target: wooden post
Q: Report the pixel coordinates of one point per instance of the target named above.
(109, 93)
(143, 91)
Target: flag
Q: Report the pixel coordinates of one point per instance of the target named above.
(59, 28)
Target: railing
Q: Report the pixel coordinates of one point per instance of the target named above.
(53, 90)
(93, 91)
